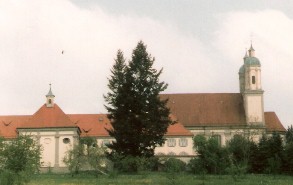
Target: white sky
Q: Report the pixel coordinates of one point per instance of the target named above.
(200, 45)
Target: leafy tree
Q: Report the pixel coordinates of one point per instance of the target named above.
(75, 159)
(211, 157)
(240, 149)
(97, 159)
(253, 166)
(19, 159)
(275, 153)
(86, 154)
(138, 117)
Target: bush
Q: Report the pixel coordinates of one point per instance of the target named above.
(197, 166)
(211, 158)
(74, 159)
(174, 165)
(134, 164)
(86, 156)
(237, 171)
(19, 160)
(147, 163)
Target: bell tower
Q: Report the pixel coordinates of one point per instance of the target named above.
(50, 98)
(251, 89)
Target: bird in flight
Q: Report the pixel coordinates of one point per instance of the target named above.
(62, 52)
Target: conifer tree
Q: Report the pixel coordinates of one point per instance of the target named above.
(116, 82)
(138, 116)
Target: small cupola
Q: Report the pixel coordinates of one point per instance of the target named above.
(50, 98)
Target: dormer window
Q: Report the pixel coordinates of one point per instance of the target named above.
(50, 101)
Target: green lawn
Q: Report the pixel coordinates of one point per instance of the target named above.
(159, 179)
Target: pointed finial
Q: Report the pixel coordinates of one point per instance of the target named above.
(251, 48)
(251, 39)
(50, 92)
(251, 51)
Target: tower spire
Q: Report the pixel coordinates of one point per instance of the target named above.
(50, 92)
(50, 98)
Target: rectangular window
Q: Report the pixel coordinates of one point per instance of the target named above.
(253, 80)
(171, 142)
(183, 142)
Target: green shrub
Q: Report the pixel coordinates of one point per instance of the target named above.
(19, 160)
(174, 165)
(147, 164)
(237, 171)
(134, 164)
(197, 166)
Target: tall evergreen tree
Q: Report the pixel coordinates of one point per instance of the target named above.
(116, 82)
(138, 116)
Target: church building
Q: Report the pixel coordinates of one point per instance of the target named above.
(219, 115)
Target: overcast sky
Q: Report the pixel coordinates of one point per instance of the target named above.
(199, 44)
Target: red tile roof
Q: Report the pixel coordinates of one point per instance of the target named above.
(221, 109)
(48, 117)
(178, 130)
(91, 124)
(273, 123)
(95, 124)
(8, 125)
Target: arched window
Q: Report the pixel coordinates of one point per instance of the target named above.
(253, 79)
(50, 101)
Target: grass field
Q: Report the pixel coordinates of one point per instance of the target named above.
(159, 179)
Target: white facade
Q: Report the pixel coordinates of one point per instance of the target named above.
(55, 143)
(176, 146)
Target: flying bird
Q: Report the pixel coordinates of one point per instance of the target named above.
(62, 52)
